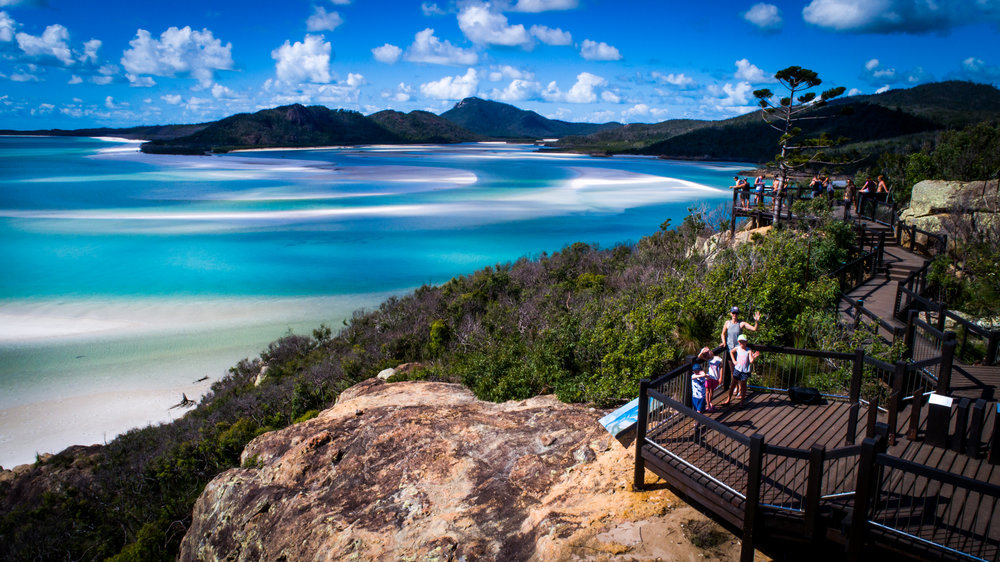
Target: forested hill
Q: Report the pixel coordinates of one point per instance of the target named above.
(297, 125)
(501, 120)
(889, 118)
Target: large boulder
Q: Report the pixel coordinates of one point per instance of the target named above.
(938, 206)
(424, 471)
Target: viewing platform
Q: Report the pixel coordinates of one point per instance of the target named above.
(898, 458)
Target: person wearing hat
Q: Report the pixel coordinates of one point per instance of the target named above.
(743, 358)
(713, 367)
(698, 377)
(733, 329)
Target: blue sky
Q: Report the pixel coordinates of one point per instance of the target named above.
(74, 64)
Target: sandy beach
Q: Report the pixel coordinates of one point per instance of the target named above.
(82, 372)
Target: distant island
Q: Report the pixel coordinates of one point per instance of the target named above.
(880, 122)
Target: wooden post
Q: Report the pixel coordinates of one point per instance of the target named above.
(994, 456)
(940, 319)
(938, 419)
(639, 476)
(867, 487)
(976, 428)
(961, 425)
(915, 407)
(857, 312)
(686, 391)
(754, 472)
(872, 418)
(732, 223)
(814, 489)
(896, 400)
(947, 357)
(909, 338)
(992, 346)
(855, 396)
(898, 301)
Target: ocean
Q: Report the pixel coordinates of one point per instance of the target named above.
(127, 280)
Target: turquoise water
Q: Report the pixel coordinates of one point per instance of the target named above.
(123, 274)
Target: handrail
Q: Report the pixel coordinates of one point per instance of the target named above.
(701, 418)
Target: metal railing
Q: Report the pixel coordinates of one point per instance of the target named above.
(938, 512)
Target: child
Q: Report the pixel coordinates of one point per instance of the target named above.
(698, 388)
(743, 358)
(714, 377)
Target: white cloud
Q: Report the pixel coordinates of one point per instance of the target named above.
(341, 2)
(583, 90)
(483, 26)
(7, 27)
(321, 20)
(730, 99)
(551, 36)
(22, 76)
(303, 61)
(109, 102)
(387, 53)
(595, 51)
(853, 92)
(429, 49)
(908, 16)
(518, 90)
(222, 92)
(679, 80)
(90, 49)
(764, 16)
(403, 93)
(978, 70)
(535, 6)
(452, 87)
(140, 81)
(74, 79)
(52, 43)
(498, 73)
(750, 73)
(610, 97)
(431, 9)
(102, 80)
(882, 90)
(178, 51)
(637, 110)
(172, 99)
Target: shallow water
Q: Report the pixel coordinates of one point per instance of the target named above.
(126, 277)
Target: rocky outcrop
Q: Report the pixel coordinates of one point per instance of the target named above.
(424, 471)
(942, 206)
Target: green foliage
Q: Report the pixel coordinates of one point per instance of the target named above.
(439, 336)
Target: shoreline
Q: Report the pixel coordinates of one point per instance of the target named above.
(86, 388)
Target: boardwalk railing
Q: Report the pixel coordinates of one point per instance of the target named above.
(930, 512)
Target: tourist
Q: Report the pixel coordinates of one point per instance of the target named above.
(743, 358)
(868, 186)
(698, 377)
(777, 188)
(758, 186)
(816, 185)
(744, 188)
(850, 194)
(714, 377)
(882, 187)
(828, 187)
(733, 329)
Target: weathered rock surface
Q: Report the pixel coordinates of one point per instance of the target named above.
(424, 471)
(936, 204)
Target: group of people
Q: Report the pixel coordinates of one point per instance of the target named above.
(705, 378)
(819, 186)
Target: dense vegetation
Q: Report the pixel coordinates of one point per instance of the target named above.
(584, 323)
